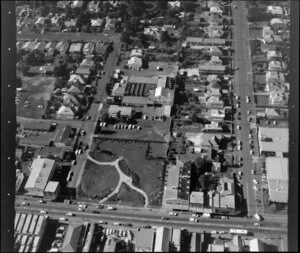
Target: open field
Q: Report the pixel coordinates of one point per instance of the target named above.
(127, 196)
(36, 91)
(157, 131)
(98, 180)
(148, 171)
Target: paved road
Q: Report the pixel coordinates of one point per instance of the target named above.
(146, 218)
(90, 125)
(243, 87)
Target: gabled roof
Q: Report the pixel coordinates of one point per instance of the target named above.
(72, 238)
(65, 110)
(74, 89)
(76, 78)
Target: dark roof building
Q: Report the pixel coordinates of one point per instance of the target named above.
(72, 237)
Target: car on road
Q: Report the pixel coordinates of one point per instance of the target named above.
(253, 172)
(240, 159)
(248, 112)
(224, 217)
(88, 117)
(99, 207)
(164, 218)
(240, 173)
(117, 224)
(82, 206)
(195, 215)
(250, 142)
(255, 181)
(83, 133)
(238, 127)
(247, 99)
(257, 224)
(128, 225)
(86, 147)
(102, 222)
(173, 213)
(237, 105)
(147, 226)
(255, 188)
(250, 136)
(25, 203)
(234, 6)
(96, 212)
(70, 214)
(43, 212)
(239, 147)
(63, 219)
(237, 97)
(193, 220)
(251, 152)
(41, 201)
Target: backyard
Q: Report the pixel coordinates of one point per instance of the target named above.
(127, 196)
(98, 180)
(35, 91)
(148, 171)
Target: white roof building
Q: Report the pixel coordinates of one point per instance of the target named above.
(276, 21)
(273, 76)
(256, 245)
(136, 53)
(41, 172)
(65, 112)
(76, 78)
(162, 240)
(274, 140)
(273, 54)
(135, 62)
(215, 9)
(276, 66)
(275, 10)
(160, 91)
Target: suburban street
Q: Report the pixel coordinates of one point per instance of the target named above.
(243, 87)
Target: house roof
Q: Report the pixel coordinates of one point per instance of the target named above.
(136, 52)
(96, 22)
(74, 89)
(140, 79)
(68, 98)
(75, 47)
(76, 78)
(160, 91)
(42, 126)
(197, 198)
(52, 186)
(55, 151)
(208, 67)
(163, 237)
(136, 100)
(205, 40)
(65, 110)
(135, 60)
(256, 245)
(41, 169)
(278, 178)
(85, 71)
(70, 23)
(72, 237)
(88, 48)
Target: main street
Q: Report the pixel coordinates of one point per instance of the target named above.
(138, 218)
(243, 87)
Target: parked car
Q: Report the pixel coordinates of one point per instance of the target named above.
(164, 218)
(257, 224)
(97, 212)
(193, 220)
(173, 213)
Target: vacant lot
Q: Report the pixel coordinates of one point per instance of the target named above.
(98, 180)
(36, 91)
(127, 196)
(148, 171)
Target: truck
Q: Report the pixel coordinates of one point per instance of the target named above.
(258, 217)
(206, 215)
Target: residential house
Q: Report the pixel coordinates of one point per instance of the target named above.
(224, 196)
(277, 10)
(214, 51)
(277, 86)
(152, 31)
(212, 33)
(214, 88)
(101, 49)
(162, 95)
(136, 53)
(47, 70)
(65, 113)
(40, 22)
(204, 41)
(169, 28)
(174, 4)
(135, 63)
(74, 90)
(274, 76)
(215, 10)
(211, 69)
(277, 23)
(76, 48)
(53, 152)
(55, 20)
(87, 62)
(214, 101)
(83, 71)
(273, 55)
(218, 114)
(77, 79)
(40, 46)
(215, 60)
(93, 6)
(76, 4)
(190, 72)
(28, 46)
(88, 48)
(62, 47)
(63, 4)
(110, 24)
(70, 26)
(278, 98)
(96, 24)
(277, 66)
(70, 100)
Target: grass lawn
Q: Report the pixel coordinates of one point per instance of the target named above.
(98, 180)
(127, 196)
(103, 156)
(37, 91)
(148, 171)
(158, 150)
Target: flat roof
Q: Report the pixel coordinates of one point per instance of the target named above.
(140, 79)
(204, 40)
(278, 178)
(144, 239)
(211, 67)
(273, 139)
(43, 126)
(51, 186)
(41, 170)
(137, 100)
(163, 237)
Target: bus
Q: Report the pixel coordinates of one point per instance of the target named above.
(239, 231)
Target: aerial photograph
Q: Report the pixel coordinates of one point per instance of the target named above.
(152, 126)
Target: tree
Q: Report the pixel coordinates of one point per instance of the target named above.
(125, 37)
(30, 59)
(104, 117)
(164, 36)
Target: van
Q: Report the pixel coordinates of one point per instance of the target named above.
(258, 217)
